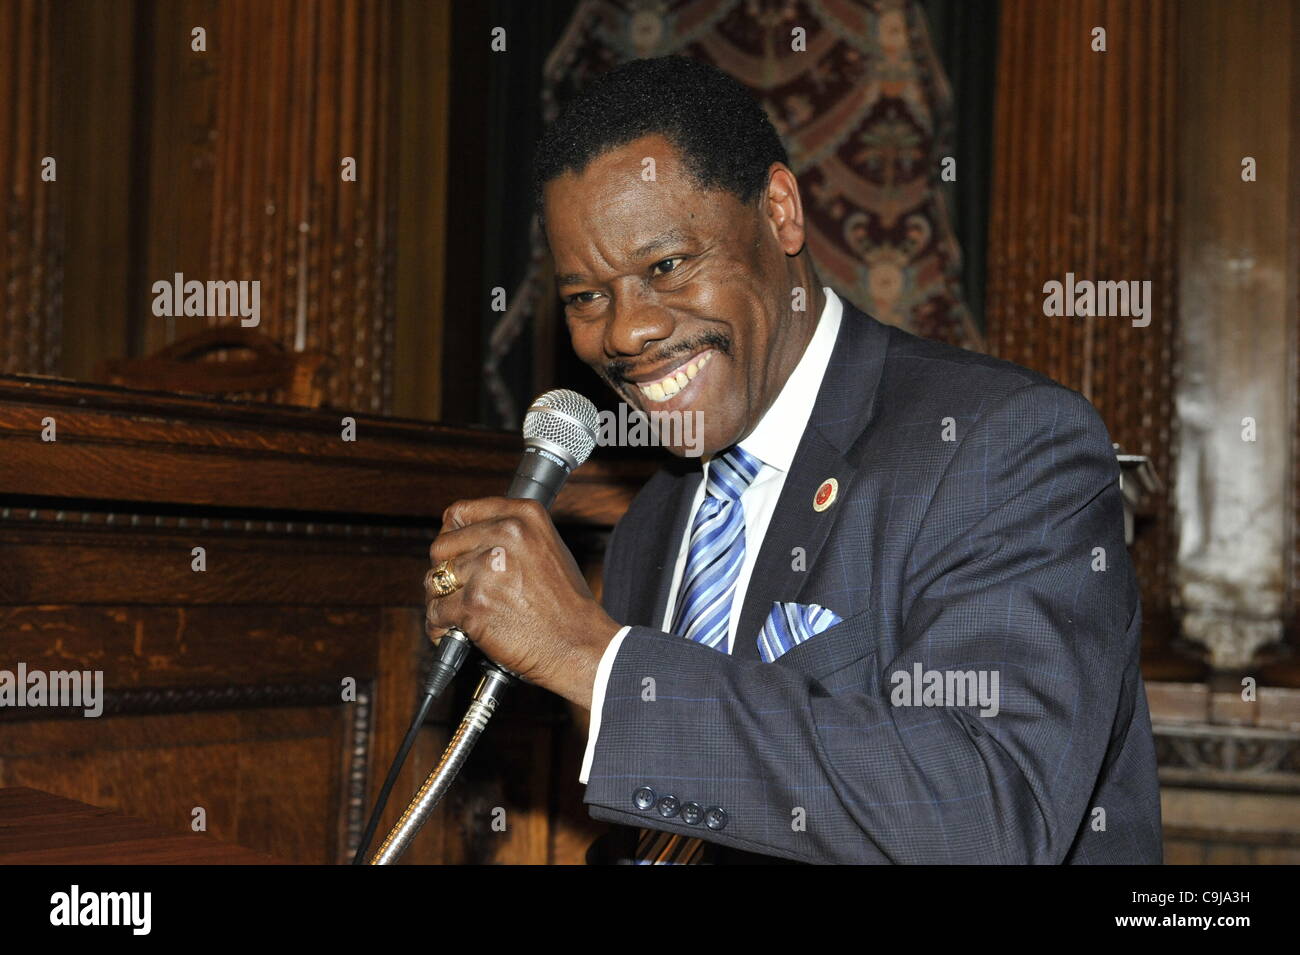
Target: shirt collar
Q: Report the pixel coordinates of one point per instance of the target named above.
(776, 436)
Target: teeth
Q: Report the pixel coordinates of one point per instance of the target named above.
(666, 387)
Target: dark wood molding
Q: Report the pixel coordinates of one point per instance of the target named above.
(119, 445)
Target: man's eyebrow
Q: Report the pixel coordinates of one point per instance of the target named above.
(568, 278)
(670, 238)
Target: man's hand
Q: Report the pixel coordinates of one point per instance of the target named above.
(522, 599)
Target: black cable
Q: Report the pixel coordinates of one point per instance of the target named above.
(453, 648)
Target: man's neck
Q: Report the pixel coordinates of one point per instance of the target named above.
(816, 298)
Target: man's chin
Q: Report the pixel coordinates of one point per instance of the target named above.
(690, 453)
(686, 420)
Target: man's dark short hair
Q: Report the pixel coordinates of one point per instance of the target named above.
(722, 133)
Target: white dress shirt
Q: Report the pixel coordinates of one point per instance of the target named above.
(771, 442)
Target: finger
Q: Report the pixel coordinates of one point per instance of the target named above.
(472, 511)
(438, 616)
(453, 545)
(505, 529)
(461, 571)
(431, 591)
(451, 610)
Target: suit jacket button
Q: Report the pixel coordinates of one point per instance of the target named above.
(715, 818)
(644, 797)
(692, 813)
(668, 806)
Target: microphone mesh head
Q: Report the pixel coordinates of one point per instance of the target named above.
(564, 419)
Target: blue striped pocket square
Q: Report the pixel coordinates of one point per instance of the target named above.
(790, 624)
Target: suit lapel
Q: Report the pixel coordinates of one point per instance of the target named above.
(840, 415)
(781, 570)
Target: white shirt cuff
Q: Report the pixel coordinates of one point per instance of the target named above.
(598, 700)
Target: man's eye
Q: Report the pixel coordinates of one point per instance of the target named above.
(577, 299)
(674, 260)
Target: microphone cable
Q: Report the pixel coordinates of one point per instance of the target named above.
(453, 648)
(560, 431)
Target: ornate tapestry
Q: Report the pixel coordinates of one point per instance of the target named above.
(864, 110)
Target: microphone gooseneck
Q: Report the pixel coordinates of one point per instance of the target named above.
(559, 435)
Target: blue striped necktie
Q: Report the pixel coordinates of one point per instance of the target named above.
(713, 563)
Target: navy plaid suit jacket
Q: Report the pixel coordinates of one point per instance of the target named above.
(971, 551)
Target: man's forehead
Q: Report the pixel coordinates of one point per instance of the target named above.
(625, 184)
(623, 206)
(638, 154)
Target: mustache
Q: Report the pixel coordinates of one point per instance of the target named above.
(617, 370)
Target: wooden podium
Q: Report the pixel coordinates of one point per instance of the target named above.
(38, 828)
(269, 689)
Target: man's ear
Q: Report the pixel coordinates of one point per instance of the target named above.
(784, 208)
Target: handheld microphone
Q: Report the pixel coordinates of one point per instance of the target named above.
(559, 435)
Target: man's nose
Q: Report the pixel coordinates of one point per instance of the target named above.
(636, 322)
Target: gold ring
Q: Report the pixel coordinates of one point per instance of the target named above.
(443, 580)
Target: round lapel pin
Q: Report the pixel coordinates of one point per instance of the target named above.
(825, 495)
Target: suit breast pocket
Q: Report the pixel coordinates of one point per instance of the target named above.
(842, 655)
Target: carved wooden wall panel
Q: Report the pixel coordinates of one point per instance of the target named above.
(249, 141)
(261, 777)
(31, 259)
(1084, 184)
(225, 164)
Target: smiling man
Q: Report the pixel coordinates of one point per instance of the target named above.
(888, 616)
